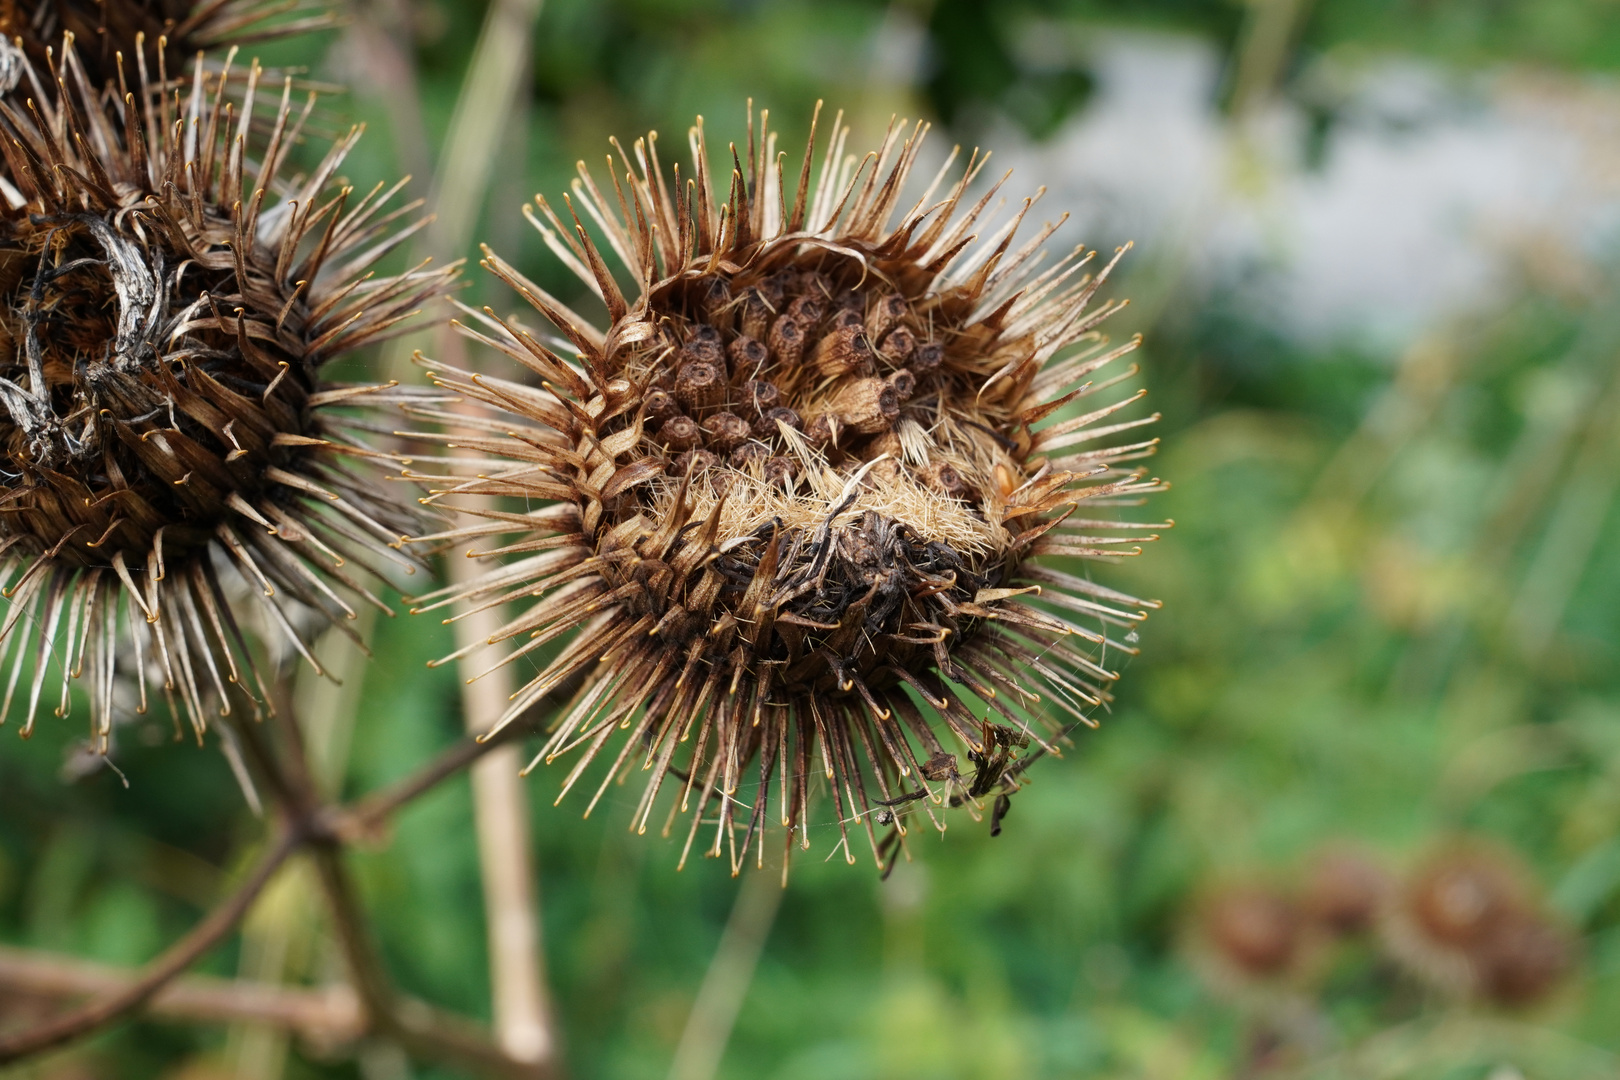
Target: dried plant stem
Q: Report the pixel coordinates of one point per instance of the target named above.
(523, 1021)
(366, 816)
(522, 1014)
(725, 985)
(1268, 36)
(335, 1015)
(328, 1016)
(422, 1030)
(154, 976)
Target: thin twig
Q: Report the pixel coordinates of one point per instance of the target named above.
(725, 985)
(363, 818)
(523, 1021)
(421, 1029)
(155, 975)
(328, 1016)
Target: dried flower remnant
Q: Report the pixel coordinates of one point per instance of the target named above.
(1469, 922)
(795, 499)
(167, 34)
(1344, 891)
(1254, 944)
(166, 307)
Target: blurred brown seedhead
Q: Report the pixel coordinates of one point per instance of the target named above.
(1251, 941)
(167, 441)
(792, 511)
(1470, 921)
(1344, 891)
(167, 34)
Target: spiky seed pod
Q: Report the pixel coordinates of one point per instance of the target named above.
(1257, 931)
(166, 307)
(1253, 944)
(1527, 958)
(1344, 890)
(163, 34)
(1469, 922)
(822, 609)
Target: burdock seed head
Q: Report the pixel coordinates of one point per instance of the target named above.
(1470, 920)
(858, 590)
(165, 35)
(166, 307)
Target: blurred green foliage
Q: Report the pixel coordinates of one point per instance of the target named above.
(1390, 617)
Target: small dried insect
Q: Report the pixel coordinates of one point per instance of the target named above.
(793, 511)
(167, 441)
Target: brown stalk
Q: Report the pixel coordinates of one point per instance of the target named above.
(328, 1016)
(523, 1019)
(160, 972)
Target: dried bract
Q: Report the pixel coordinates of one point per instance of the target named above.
(165, 312)
(800, 497)
(165, 35)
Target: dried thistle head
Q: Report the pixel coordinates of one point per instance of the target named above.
(1470, 921)
(1344, 890)
(166, 308)
(165, 35)
(793, 510)
(1256, 931)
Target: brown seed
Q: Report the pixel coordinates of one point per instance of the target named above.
(887, 312)
(842, 352)
(927, 357)
(898, 345)
(806, 310)
(693, 461)
(715, 304)
(943, 478)
(867, 405)
(660, 406)
(680, 433)
(700, 384)
(845, 318)
(775, 288)
(726, 431)
(904, 383)
(759, 397)
(780, 470)
(824, 431)
(850, 300)
(814, 283)
(705, 348)
(748, 452)
(702, 332)
(753, 315)
(766, 427)
(787, 341)
(748, 355)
